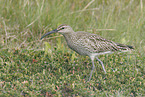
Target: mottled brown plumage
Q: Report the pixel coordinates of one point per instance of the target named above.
(88, 44)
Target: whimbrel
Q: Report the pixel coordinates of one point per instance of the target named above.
(89, 44)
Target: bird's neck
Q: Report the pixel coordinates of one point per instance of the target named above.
(69, 36)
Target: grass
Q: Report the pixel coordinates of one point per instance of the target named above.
(31, 67)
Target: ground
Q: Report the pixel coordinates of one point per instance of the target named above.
(33, 67)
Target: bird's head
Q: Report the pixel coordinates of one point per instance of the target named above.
(60, 29)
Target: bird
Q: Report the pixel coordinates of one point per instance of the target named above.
(89, 44)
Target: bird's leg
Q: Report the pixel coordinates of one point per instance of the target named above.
(92, 69)
(101, 64)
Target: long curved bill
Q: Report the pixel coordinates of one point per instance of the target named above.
(53, 31)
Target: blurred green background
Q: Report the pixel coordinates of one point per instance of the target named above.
(33, 67)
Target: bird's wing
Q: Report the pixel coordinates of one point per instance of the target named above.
(95, 43)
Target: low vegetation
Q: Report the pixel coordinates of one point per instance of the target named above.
(33, 67)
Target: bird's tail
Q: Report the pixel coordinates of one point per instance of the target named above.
(131, 47)
(125, 47)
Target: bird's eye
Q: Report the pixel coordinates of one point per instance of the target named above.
(62, 28)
